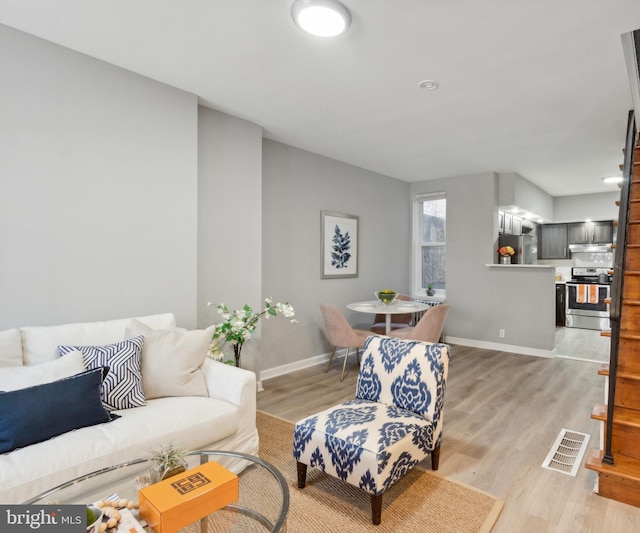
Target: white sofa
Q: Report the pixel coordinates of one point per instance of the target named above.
(223, 417)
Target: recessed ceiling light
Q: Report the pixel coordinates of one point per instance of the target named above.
(613, 179)
(428, 85)
(323, 18)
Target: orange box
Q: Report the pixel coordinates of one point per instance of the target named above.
(186, 498)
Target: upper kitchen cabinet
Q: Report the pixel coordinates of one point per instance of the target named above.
(590, 232)
(553, 241)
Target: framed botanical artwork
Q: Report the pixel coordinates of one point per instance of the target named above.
(339, 245)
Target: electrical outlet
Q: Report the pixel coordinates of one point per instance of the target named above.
(502, 333)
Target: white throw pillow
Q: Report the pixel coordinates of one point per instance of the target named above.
(10, 348)
(21, 377)
(172, 360)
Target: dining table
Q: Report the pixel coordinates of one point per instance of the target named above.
(375, 307)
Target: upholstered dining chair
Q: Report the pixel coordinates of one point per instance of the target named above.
(397, 321)
(394, 422)
(429, 327)
(341, 334)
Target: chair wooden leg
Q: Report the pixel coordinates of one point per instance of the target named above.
(344, 365)
(302, 474)
(435, 458)
(333, 352)
(376, 509)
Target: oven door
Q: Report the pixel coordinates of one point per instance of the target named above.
(582, 302)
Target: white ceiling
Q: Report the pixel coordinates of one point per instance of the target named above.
(537, 87)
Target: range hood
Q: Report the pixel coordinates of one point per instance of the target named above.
(591, 248)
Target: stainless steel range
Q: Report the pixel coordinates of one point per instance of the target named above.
(587, 298)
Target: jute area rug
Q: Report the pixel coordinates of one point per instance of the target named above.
(421, 502)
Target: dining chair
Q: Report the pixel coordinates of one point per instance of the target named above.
(404, 320)
(341, 334)
(429, 327)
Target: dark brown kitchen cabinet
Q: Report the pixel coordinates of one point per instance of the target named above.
(603, 232)
(553, 242)
(590, 232)
(560, 303)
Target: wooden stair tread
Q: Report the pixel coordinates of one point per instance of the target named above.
(629, 336)
(621, 415)
(623, 466)
(599, 412)
(605, 333)
(603, 370)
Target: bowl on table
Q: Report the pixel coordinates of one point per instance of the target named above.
(386, 297)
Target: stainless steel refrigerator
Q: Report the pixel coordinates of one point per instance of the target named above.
(526, 247)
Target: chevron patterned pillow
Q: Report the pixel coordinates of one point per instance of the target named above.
(122, 388)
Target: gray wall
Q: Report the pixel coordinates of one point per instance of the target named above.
(229, 219)
(297, 185)
(514, 190)
(486, 299)
(600, 206)
(98, 189)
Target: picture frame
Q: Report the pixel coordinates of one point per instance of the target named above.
(338, 245)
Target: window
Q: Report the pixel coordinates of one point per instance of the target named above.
(430, 252)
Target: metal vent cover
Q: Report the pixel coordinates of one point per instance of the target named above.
(567, 452)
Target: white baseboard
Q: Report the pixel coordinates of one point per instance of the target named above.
(512, 348)
(281, 370)
(292, 367)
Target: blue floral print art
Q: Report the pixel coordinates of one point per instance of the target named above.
(340, 254)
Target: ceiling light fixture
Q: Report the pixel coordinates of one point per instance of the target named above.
(323, 18)
(613, 179)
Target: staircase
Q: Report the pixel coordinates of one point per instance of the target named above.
(618, 465)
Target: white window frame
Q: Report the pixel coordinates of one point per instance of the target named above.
(416, 239)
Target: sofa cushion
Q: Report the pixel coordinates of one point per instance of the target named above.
(172, 360)
(40, 343)
(20, 377)
(122, 388)
(10, 348)
(35, 414)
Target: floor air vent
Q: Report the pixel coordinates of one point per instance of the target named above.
(566, 454)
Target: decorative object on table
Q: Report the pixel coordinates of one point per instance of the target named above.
(505, 253)
(167, 462)
(430, 291)
(338, 245)
(238, 326)
(94, 519)
(386, 296)
(116, 514)
(174, 503)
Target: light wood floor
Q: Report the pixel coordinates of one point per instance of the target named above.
(503, 413)
(583, 344)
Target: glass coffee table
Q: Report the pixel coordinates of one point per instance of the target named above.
(263, 502)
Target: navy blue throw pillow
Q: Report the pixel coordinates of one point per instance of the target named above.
(35, 414)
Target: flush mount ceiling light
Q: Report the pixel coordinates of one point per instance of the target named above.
(613, 179)
(323, 18)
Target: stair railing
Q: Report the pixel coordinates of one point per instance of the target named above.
(617, 286)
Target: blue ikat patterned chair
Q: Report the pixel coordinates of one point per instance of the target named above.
(394, 422)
